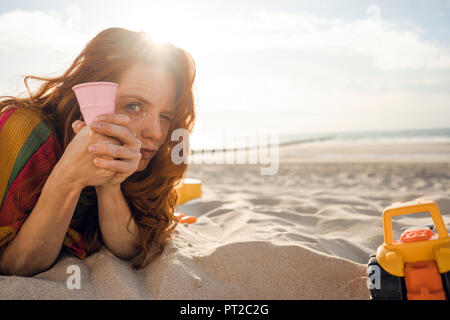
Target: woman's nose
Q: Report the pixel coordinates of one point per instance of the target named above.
(150, 127)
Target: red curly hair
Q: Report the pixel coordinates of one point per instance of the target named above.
(150, 193)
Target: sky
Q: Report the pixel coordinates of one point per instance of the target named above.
(294, 66)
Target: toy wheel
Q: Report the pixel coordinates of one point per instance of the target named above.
(387, 286)
(446, 282)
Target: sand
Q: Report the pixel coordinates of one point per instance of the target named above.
(304, 233)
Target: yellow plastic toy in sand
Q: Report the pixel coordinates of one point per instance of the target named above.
(392, 255)
(188, 189)
(416, 266)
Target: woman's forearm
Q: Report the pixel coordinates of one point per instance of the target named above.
(38, 242)
(119, 234)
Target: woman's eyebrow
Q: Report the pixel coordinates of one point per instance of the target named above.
(132, 96)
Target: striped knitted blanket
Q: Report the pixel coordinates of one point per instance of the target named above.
(27, 146)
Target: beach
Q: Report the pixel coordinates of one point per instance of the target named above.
(305, 232)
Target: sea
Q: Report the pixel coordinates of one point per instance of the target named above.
(220, 141)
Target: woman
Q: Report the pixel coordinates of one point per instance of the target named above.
(66, 185)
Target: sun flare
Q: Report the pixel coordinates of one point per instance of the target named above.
(163, 24)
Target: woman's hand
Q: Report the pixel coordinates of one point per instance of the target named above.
(76, 165)
(121, 159)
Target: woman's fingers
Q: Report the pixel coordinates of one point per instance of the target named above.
(115, 165)
(77, 125)
(121, 158)
(117, 118)
(116, 125)
(112, 150)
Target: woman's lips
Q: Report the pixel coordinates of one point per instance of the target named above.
(147, 153)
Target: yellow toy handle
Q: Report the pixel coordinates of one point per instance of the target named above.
(398, 209)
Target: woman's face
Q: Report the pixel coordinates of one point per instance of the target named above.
(146, 94)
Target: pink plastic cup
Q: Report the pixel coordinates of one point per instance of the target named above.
(95, 98)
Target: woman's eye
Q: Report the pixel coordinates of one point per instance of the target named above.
(167, 118)
(137, 107)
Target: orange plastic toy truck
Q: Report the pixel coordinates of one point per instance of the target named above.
(417, 266)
